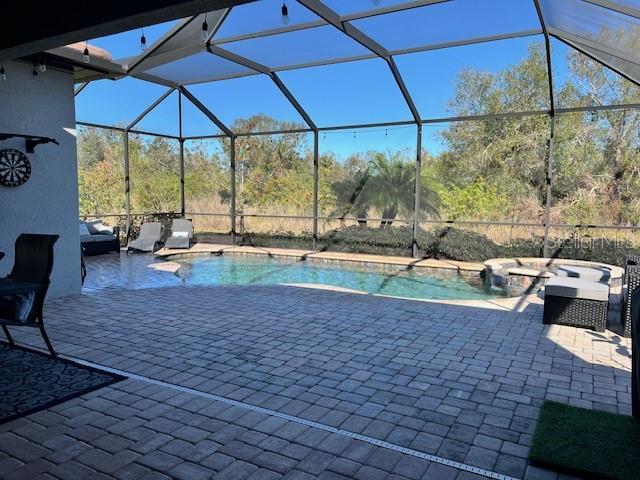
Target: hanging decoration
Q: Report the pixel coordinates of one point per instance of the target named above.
(3, 73)
(15, 168)
(143, 41)
(86, 58)
(204, 35)
(285, 13)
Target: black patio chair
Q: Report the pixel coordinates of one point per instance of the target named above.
(33, 264)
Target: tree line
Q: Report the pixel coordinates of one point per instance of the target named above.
(485, 170)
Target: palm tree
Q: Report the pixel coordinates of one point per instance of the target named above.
(350, 196)
(391, 189)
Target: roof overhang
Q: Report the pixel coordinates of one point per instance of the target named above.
(28, 29)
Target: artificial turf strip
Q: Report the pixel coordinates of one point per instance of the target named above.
(588, 443)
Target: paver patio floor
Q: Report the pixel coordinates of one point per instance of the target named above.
(458, 382)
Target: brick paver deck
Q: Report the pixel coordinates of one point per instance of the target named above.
(276, 381)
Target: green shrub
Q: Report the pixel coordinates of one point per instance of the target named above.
(444, 243)
(362, 239)
(478, 197)
(602, 250)
(277, 240)
(464, 245)
(593, 249)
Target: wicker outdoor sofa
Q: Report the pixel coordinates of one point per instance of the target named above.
(576, 302)
(585, 304)
(632, 281)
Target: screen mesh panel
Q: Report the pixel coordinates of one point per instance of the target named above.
(304, 46)
(127, 44)
(116, 103)
(263, 15)
(199, 68)
(154, 172)
(494, 77)
(366, 183)
(360, 6)
(248, 104)
(488, 170)
(458, 20)
(163, 119)
(194, 122)
(580, 81)
(348, 93)
(606, 33)
(100, 169)
(207, 183)
(191, 34)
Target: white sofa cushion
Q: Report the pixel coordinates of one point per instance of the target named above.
(576, 288)
(595, 274)
(96, 227)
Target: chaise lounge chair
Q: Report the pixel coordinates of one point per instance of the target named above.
(33, 264)
(97, 238)
(148, 238)
(181, 234)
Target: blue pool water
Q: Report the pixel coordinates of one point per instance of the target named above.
(237, 270)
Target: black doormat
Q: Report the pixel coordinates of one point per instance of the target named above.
(32, 381)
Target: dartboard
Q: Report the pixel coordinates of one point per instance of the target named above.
(15, 168)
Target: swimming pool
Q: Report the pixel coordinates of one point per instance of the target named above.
(396, 281)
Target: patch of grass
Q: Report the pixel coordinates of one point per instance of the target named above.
(589, 443)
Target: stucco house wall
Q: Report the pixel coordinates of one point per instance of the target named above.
(48, 202)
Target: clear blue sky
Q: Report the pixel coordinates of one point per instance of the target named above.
(347, 93)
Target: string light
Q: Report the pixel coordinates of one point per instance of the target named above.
(3, 73)
(34, 72)
(204, 35)
(285, 13)
(85, 54)
(370, 130)
(143, 42)
(42, 67)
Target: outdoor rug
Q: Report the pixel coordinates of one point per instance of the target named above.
(587, 443)
(32, 381)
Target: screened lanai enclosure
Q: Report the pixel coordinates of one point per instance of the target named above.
(377, 125)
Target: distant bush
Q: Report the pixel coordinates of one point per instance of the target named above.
(455, 244)
(444, 243)
(355, 239)
(593, 249)
(470, 246)
(277, 240)
(361, 239)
